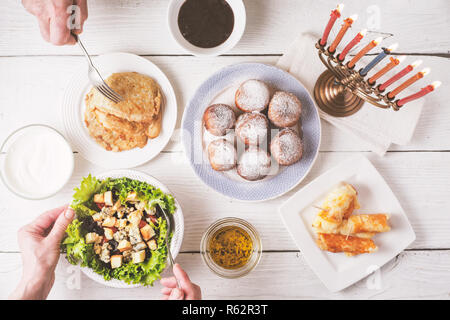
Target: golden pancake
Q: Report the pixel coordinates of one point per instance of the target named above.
(113, 133)
(142, 97)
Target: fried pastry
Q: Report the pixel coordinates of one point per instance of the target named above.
(113, 133)
(348, 244)
(142, 97)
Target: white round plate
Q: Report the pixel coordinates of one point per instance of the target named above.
(73, 108)
(212, 91)
(178, 219)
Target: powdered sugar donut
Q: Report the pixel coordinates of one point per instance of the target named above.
(284, 109)
(254, 164)
(222, 155)
(252, 128)
(252, 95)
(218, 118)
(286, 147)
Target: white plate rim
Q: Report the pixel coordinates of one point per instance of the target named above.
(126, 159)
(314, 109)
(305, 250)
(177, 238)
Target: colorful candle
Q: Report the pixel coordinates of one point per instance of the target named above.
(333, 16)
(400, 75)
(372, 44)
(383, 54)
(394, 62)
(347, 24)
(407, 83)
(419, 94)
(351, 44)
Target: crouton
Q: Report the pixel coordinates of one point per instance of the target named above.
(99, 198)
(91, 237)
(124, 245)
(132, 196)
(139, 256)
(97, 216)
(109, 222)
(147, 232)
(108, 233)
(152, 244)
(116, 261)
(108, 198)
(134, 218)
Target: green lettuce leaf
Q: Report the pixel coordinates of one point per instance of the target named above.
(85, 193)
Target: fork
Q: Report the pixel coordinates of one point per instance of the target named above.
(166, 217)
(96, 79)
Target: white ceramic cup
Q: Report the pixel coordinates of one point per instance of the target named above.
(238, 30)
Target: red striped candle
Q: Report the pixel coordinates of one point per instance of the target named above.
(333, 16)
(419, 94)
(399, 75)
(351, 44)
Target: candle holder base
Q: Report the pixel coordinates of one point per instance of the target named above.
(334, 98)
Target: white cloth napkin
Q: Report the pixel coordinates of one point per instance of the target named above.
(376, 127)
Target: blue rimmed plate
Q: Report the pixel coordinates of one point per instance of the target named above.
(192, 133)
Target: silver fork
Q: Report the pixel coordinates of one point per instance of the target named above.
(166, 217)
(96, 79)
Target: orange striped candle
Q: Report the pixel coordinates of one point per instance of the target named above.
(347, 24)
(407, 83)
(372, 44)
(394, 62)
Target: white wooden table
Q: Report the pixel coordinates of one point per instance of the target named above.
(33, 76)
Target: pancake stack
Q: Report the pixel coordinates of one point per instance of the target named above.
(130, 123)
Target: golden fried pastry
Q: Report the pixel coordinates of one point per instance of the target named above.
(284, 109)
(218, 119)
(113, 133)
(339, 204)
(222, 155)
(254, 164)
(142, 97)
(286, 147)
(252, 128)
(360, 225)
(348, 244)
(127, 124)
(252, 95)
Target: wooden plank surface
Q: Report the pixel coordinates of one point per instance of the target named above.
(140, 26)
(279, 275)
(34, 75)
(423, 197)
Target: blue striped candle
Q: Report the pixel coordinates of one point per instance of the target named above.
(383, 54)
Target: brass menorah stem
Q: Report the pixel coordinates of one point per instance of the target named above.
(341, 91)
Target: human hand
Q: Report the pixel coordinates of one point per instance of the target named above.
(53, 17)
(39, 244)
(187, 290)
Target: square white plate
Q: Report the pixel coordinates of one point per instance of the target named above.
(336, 270)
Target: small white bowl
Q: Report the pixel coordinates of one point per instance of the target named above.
(10, 143)
(238, 30)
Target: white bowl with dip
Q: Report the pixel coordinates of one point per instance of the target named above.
(36, 162)
(238, 8)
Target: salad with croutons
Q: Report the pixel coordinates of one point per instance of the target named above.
(118, 231)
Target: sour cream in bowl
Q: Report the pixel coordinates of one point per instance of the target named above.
(36, 162)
